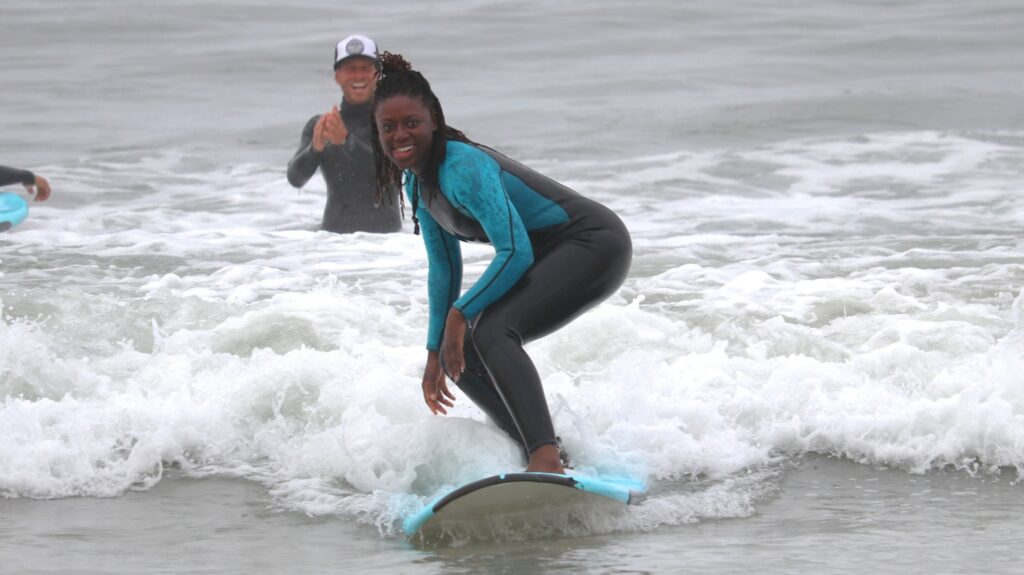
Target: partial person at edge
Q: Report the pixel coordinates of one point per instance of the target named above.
(35, 185)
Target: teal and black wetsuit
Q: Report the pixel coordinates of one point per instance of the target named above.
(557, 254)
(350, 174)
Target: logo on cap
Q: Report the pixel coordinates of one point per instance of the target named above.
(354, 47)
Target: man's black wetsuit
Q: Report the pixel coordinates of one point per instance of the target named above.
(350, 174)
(10, 176)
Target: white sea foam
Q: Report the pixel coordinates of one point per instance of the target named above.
(858, 297)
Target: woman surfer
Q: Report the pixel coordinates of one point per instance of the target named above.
(557, 254)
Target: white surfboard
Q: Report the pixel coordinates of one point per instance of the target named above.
(522, 496)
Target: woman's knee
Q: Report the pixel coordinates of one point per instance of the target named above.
(489, 332)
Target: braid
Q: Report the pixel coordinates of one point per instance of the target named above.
(395, 77)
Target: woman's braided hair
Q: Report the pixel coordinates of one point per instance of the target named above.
(395, 77)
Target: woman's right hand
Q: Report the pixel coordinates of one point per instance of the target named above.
(435, 388)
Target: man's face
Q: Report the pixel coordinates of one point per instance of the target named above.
(357, 79)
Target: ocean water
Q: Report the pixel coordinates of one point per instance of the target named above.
(815, 363)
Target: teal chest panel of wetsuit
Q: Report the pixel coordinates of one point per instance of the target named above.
(350, 174)
(557, 254)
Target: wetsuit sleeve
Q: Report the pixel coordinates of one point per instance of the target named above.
(10, 176)
(474, 187)
(444, 272)
(306, 160)
(444, 275)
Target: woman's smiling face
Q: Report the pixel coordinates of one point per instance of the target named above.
(406, 128)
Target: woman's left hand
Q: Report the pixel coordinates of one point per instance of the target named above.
(451, 347)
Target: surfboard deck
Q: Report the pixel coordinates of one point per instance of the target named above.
(520, 495)
(13, 210)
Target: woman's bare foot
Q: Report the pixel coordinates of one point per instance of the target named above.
(545, 459)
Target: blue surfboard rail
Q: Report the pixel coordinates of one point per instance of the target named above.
(13, 210)
(618, 489)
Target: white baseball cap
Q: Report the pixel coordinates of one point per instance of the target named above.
(355, 46)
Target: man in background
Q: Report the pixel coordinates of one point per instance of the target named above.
(338, 142)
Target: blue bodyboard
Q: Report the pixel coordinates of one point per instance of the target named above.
(13, 210)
